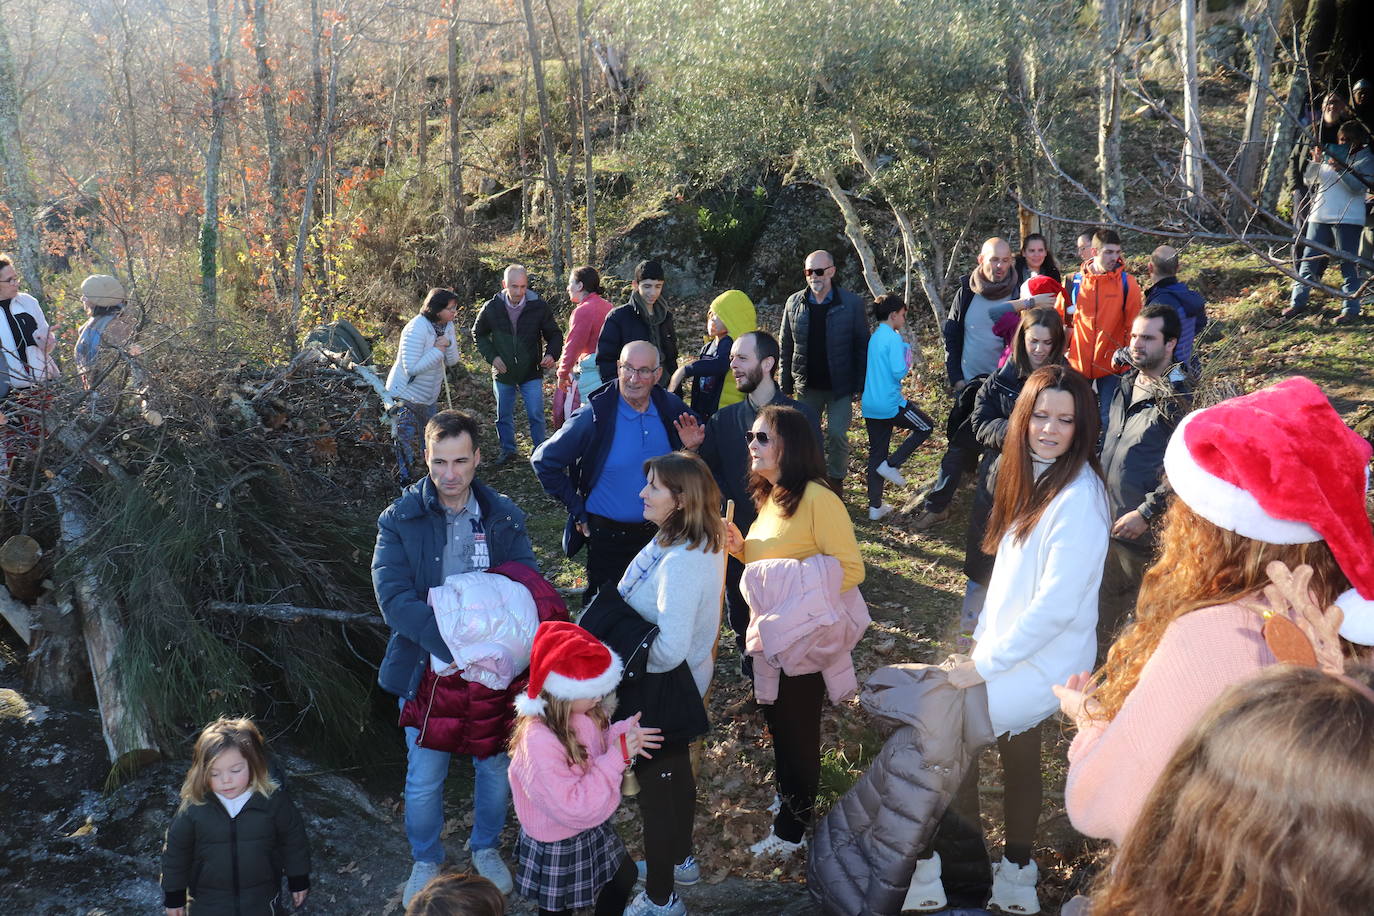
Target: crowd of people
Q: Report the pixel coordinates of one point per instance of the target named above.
(1124, 560)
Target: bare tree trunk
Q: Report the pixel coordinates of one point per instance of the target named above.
(18, 187)
(1252, 149)
(854, 231)
(553, 187)
(914, 253)
(209, 229)
(316, 64)
(276, 193)
(524, 216)
(321, 147)
(1193, 150)
(455, 150)
(422, 124)
(1112, 185)
(585, 82)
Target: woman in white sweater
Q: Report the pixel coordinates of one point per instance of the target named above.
(428, 346)
(677, 582)
(1048, 530)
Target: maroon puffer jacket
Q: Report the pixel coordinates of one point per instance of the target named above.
(462, 717)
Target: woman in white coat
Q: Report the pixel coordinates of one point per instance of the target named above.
(428, 347)
(1049, 531)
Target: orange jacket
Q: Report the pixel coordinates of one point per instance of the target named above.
(1101, 321)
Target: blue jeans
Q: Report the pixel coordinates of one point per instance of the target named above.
(409, 439)
(532, 392)
(1341, 236)
(426, 770)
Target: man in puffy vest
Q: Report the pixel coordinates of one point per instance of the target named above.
(445, 524)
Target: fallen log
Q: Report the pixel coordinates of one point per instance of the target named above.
(57, 666)
(21, 559)
(127, 729)
(17, 614)
(290, 613)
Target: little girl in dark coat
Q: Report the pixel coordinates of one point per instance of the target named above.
(228, 852)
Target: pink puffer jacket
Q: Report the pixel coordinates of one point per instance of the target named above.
(800, 623)
(487, 621)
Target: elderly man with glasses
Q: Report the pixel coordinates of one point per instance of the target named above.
(824, 341)
(594, 464)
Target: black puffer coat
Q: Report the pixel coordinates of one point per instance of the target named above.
(864, 850)
(232, 866)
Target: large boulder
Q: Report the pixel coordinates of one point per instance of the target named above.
(671, 235)
(801, 219)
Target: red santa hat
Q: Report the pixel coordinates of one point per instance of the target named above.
(1044, 284)
(568, 663)
(1281, 466)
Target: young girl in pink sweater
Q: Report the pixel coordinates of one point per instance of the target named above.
(566, 764)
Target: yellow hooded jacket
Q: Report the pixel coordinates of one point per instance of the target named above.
(736, 311)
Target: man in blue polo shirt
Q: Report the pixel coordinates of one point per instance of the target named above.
(594, 464)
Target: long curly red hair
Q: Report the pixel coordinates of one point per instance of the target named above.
(1200, 565)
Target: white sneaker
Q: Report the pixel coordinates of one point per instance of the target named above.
(775, 847)
(874, 514)
(777, 804)
(421, 873)
(489, 865)
(927, 891)
(893, 475)
(1013, 888)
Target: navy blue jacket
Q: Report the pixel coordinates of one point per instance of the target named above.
(569, 462)
(409, 561)
(1192, 313)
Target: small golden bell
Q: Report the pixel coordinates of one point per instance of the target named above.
(629, 784)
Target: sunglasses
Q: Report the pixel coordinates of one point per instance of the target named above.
(760, 437)
(816, 271)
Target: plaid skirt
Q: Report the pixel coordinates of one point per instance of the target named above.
(568, 874)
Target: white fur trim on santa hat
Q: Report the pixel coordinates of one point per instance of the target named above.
(1358, 626)
(1223, 503)
(527, 705)
(566, 688)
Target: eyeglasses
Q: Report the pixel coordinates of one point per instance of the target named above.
(817, 271)
(760, 437)
(644, 372)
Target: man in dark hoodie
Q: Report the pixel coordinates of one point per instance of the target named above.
(507, 333)
(1167, 289)
(644, 317)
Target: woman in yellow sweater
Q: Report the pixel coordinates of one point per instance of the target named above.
(798, 517)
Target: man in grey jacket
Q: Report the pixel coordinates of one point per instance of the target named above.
(824, 341)
(1152, 398)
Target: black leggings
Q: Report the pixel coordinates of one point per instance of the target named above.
(614, 897)
(1022, 793)
(880, 438)
(668, 807)
(794, 721)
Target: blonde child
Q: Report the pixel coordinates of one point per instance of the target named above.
(235, 832)
(566, 764)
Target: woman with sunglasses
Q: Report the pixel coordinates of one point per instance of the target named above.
(799, 516)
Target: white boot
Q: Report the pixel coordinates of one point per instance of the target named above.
(1013, 888)
(927, 892)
